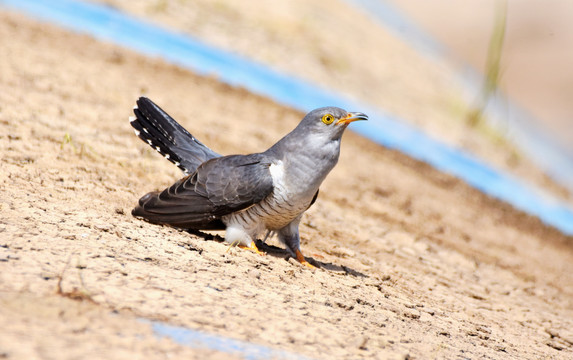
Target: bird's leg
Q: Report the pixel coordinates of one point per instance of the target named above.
(301, 259)
(252, 247)
(290, 237)
(270, 233)
(236, 236)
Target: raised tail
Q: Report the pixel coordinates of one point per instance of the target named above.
(168, 137)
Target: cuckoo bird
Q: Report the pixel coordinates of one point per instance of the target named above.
(245, 195)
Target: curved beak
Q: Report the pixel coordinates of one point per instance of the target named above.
(353, 116)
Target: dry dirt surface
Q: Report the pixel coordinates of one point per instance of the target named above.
(413, 263)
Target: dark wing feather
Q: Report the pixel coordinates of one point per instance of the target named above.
(168, 137)
(219, 187)
(313, 199)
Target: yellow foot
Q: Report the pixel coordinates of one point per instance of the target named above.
(253, 248)
(302, 260)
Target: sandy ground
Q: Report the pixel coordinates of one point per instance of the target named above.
(413, 262)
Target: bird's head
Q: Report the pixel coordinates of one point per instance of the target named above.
(329, 121)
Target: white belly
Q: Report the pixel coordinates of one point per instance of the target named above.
(276, 211)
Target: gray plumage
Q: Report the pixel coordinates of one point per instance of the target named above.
(246, 195)
(155, 127)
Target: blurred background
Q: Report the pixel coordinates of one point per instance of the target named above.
(536, 60)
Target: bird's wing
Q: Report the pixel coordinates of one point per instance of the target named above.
(218, 187)
(313, 199)
(168, 137)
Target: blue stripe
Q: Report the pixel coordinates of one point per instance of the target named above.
(111, 25)
(201, 340)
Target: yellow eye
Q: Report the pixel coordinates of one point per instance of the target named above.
(327, 119)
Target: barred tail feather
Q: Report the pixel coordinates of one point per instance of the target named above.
(165, 135)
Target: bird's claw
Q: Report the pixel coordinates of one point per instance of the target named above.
(302, 260)
(252, 247)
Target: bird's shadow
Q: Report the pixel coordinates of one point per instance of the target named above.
(283, 254)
